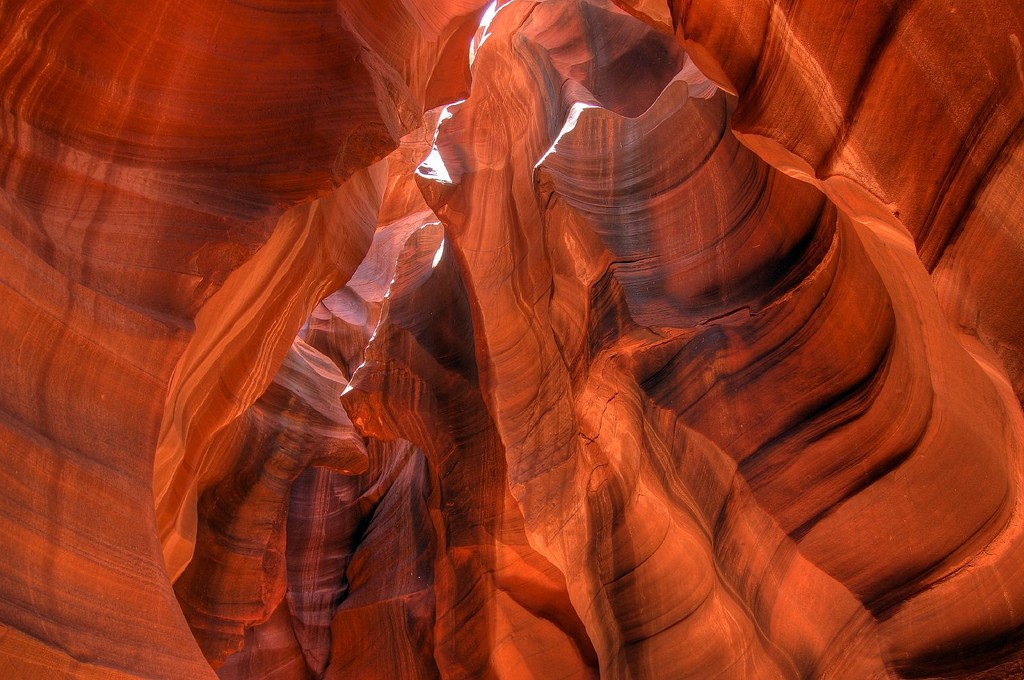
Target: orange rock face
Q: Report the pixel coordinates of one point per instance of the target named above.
(564, 339)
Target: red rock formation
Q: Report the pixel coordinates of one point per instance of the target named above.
(682, 343)
(149, 150)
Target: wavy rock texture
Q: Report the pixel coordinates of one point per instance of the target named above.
(632, 339)
(154, 275)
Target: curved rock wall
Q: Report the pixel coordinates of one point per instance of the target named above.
(563, 339)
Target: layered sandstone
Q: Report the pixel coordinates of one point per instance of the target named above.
(599, 339)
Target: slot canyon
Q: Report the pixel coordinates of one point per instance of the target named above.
(622, 339)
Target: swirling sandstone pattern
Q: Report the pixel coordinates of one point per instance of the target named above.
(561, 339)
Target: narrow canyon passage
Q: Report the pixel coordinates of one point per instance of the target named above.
(538, 339)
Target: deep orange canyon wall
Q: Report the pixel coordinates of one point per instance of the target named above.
(409, 339)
